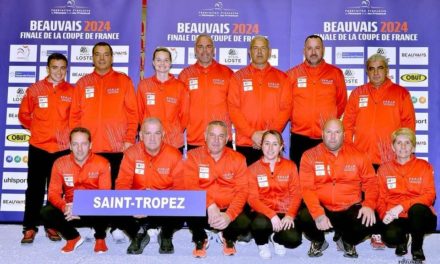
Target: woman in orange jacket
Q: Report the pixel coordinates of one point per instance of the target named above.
(274, 196)
(407, 193)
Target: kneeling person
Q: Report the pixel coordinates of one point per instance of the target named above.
(150, 165)
(81, 170)
(333, 176)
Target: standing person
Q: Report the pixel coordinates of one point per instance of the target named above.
(274, 196)
(105, 103)
(319, 93)
(375, 110)
(150, 164)
(333, 176)
(207, 83)
(164, 97)
(259, 99)
(44, 110)
(81, 170)
(406, 197)
(222, 173)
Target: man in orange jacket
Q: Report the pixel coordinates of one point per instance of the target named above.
(222, 173)
(259, 99)
(319, 93)
(150, 165)
(207, 83)
(81, 170)
(44, 110)
(333, 176)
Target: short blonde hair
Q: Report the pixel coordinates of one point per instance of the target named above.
(404, 131)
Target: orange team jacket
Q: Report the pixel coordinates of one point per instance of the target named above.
(45, 110)
(141, 171)
(107, 106)
(373, 114)
(336, 182)
(258, 100)
(407, 184)
(167, 101)
(225, 181)
(208, 93)
(67, 176)
(319, 93)
(277, 192)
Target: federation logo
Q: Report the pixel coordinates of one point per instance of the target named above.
(70, 8)
(218, 10)
(23, 52)
(365, 7)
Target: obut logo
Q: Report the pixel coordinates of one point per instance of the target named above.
(413, 77)
(18, 137)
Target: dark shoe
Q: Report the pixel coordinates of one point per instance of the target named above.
(138, 243)
(229, 247)
(28, 236)
(166, 245)
(418, 255)
(316, 248)
(52, 234)
(402, 249)
(349, 250)
(200, 250)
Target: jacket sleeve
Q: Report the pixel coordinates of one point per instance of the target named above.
(184, 106)
(177, 175)
(381, 207)
(294, 192)
(55, 192)
(26, 109)
(125, 178)
(285, 106)
(234, 106)
(341, 93)
(427, 193)
(104, 177)
(369, 182)
(131, 113)
(308, 189)
(350, 115)
(76, 106)
(141, 100)
(240, 190)
(407, 113)
(254, 198)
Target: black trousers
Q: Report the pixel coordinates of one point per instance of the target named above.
(132, 225)
(240, 226)
(251, 154)
(115, 162)
(56, 218)
(39, 169)
(420, 221)
(344, 222)
(261, 228)
(299, 144)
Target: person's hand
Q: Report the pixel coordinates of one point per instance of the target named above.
(139, 216)
(323, 223)
(257, 136)
(213, 213)
(368, 216)
(287, 222)
(395, 211)
(276, 223)
(126, 146)
(68, 212)
(388, 218)
(221, 222)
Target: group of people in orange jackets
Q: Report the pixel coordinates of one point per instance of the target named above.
(351, 167)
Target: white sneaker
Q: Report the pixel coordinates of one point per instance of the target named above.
(219, 237)
(264, 251)
(153, 233)
(119, 237)
(279, 249)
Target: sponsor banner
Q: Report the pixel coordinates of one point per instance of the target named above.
(414, 55)
(353, 77)
(76, 72)
(22, 74)
(16, 94)
(234, 56)
(15, 159)
(47, 50)
(413, 77)
(12, 202)
(81, 53)
(422, 121)
(177, 55)
(392, 75)
(420, 99)
(23, 53)
(120, 53)
(387, 52)
(17, 138)
(12, 116)
(14, 180)
(422, 144)
(136, 202)
(350, 55)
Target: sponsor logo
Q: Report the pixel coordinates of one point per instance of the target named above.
(81, 53)
(353, 77)
(233, 56)
(218, 10)
(12, 116)
(23, 53)
(76, 73)
(15, 159)
(273, 60)
(121, 54)
(191, 56)
(349, 55)
(70, 8)
(14, 181)
(123, 70)
(12, 202)
(177, 55)
(413, 77)
(22, 74)
(420, 99)
(388, 52)
(414, 56)
(422, 144)
(16, 94)
(47, 50)
(17, 138)
(422, 121)
(365, 7)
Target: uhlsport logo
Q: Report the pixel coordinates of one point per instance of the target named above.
(218, 10)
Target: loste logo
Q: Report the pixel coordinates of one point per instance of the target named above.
(218, 10)
(365, 7)
(233, 56)
(81, 53)
(70, 8)
(413, 77)
(353, 77)
(16, 94)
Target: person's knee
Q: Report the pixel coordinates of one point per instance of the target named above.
(418, 209)
(291, 239)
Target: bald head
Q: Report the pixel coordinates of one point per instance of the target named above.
(333, 135)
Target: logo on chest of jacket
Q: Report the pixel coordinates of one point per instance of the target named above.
(171, 100)
(350, 167)
(415, 180)
(66, 99)
(274, 85)
(112, 90)
(163, 171)
(228, 175)
(326, 82)
(218, 81)
(283, 178)
(93, 174)
(389, 102)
